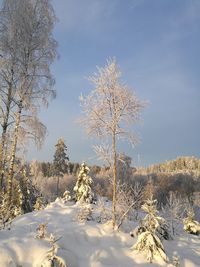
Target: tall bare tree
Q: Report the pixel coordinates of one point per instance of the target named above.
(7, 105)
(109, 113)
(27, 43)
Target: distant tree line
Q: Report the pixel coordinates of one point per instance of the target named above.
(160, 184)
(181, 164)
(47, 168)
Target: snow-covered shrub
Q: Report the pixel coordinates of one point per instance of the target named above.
(148, 240)
(150, 243)
(66, 196)
(84, 214)
(104, 210)
(52, 259)
(128, 202)
(39, 204)
(41, 231)
(176, 261)
(190, 225)
(83, 185)
(152, 221)
(124, 201)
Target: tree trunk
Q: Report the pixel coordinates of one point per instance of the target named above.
(57, 187)
(1, 160)
(13, 153)
(3, 137)
(2, 157)
(114, 180)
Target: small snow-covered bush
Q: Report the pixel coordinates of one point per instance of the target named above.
(176, 261)
(83, 185)
(41, 230)
(39, 204)
(190, 225)
(124, 202)
(66, 196)
(84, 214)
(128, 202)
(52, 259)
(148, 240)
(150, 243)
(104, 210)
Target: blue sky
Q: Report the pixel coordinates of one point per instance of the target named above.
(156, 44)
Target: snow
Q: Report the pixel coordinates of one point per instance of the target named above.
(88, 244)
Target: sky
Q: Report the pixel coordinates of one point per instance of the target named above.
(156, 44)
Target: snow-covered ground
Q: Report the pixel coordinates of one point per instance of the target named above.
(88, 244)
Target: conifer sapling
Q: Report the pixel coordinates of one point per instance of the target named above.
(190, 225)
(83, 185)
(148, 241)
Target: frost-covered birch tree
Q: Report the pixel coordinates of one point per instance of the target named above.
(110, 111)
(27, 48)
(173, 211)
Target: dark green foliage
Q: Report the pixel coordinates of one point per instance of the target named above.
(76, 168)
(29, 192)
(60, 165)
(60, 162)
(70, 167)
(124, 170)
(46, 168)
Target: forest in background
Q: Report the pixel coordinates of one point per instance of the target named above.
(181, 176)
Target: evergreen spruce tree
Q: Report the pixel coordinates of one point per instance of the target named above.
(51, 258)
(28, 191)
(38, 204)
(190, 225)
(148, 240)
(60, 165)
(10, 210)
(83, 185)
(18, 202)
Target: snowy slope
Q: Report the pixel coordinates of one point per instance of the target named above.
(87, 244)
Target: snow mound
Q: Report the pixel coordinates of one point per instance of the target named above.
(82, 244)
(5, 259)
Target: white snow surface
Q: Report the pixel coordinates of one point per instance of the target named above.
(88, 244)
